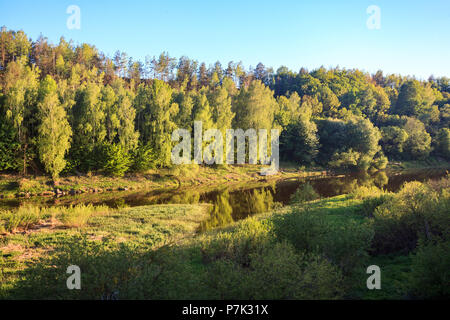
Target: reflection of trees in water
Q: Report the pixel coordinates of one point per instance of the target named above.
(336, 186)
(221, 213)
(187, 197)
(380, 179)
(231, 206)
(238, 205)
(251, 202)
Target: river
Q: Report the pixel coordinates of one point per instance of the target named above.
(231, 203)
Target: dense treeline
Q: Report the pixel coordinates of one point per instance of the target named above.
(67, 108)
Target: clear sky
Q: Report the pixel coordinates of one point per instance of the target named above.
(414, 38)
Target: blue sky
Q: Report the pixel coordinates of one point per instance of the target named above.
(414, 38)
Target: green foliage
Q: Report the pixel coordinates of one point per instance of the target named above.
(418, 144)
(76, 216)
(415, 212)
(345, 245)
(430, 273)
(249, 238)
(20, 91)
(115, 160)
(246, 264)
(54, 132)
(144, 158)
(443, 142)
(413, 98)
(350, 144)
(372, 197)
(331, 117)
(155, 113)
(282, 273)
(8, 147)
(393, 140)
(363, 192)
(304, 193)
(380, 162)
(255, 107)
(24, 218)
(299, 141)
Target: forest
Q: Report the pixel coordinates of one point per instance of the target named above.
(79, 122)
(69, 108)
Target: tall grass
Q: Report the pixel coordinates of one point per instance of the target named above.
(78, 216)
(26, 217)
(23, 218)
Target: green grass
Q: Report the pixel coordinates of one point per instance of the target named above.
(430, 162)
(156, 252)
(149, 226)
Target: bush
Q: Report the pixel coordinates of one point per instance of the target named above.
(348, 246)
(304, 229)
(414, 212)
(144, 159)
(279, 272)
(380, 162)
(365, 192)
(304, 193)
(369, 204)
(115, 160)
(249, 237)
(430, 275)
(372, 198)
(345, 246)
(105, 268)
(276, 272)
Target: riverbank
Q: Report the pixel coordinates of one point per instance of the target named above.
(182, 176)
(429, 163)
(318, 249)
(17, 186)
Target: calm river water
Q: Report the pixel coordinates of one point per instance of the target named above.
(236, 202)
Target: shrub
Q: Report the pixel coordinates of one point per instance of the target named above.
(380, 162)
(415, 211)
(430, 275)
(348, 245)
(304, 229)
(168, 274)
(106, 268)
(304, 193)
(115, 160)
(185, 170)
(369, 204)
(144, 159)
(276, 272)
(227, 280)
(279, 272)
(249, 237)
(344, 245)
(364, 192)
(372, 199)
